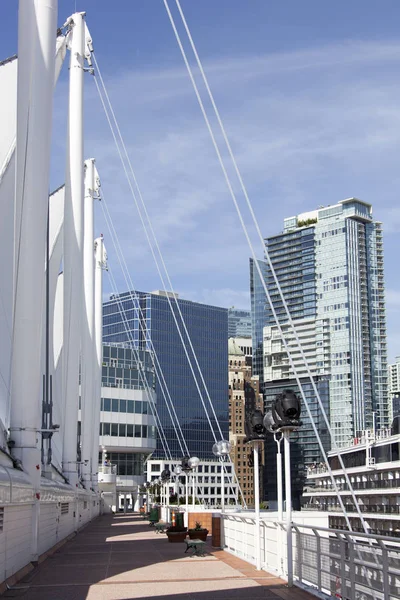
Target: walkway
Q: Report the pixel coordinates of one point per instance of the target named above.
(122, 558)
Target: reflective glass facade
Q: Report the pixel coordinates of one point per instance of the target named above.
(239, 323)
(208, 330)
(329, 264)
(293, 257)
(259, 312)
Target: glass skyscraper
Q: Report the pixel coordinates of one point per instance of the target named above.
(329, 263)
(208, 330)
(239, 323)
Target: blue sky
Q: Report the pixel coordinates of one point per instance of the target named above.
(309, 93)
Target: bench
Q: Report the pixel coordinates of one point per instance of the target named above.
(197, 546)
(161, 527)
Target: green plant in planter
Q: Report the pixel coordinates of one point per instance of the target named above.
(198, 532)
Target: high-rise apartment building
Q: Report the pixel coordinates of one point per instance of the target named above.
(153, 327)
(244, 397)
(239, 323)
(329, 265)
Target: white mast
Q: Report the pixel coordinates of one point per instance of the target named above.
(88, 359)
(36, 67)
(73, 246)
(100, 266)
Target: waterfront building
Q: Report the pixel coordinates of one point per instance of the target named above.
(206, 480)
(372, 463)
(244, 397)
(155, 327)
(239, 322)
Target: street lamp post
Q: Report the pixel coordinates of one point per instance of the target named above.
(222, 449)
(177, 471)
(284, 418)
(193, 463)
(255, 434)
(278, 440)
(257, 505)
(187, 465)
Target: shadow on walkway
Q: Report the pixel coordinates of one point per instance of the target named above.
(121, 558)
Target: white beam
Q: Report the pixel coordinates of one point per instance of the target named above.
(100, 266)
(88, 358)
(73, 248)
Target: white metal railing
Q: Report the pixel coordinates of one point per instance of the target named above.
(108, 469)
(327, 562)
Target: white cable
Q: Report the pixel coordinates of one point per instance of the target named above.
(257, 263)
(161, 277)
(141, 320)
(141, 369)
(151, 247)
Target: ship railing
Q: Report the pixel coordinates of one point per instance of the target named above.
(327, 562)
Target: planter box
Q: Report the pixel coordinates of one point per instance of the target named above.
(175, 537)
(198, 534)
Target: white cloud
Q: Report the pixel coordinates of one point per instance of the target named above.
(307, 128)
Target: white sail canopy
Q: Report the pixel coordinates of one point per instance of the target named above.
(8, 115)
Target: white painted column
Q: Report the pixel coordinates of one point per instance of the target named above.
(257, 544)
(100, 266)
(88, 356)
(37, 24)
(73, 249)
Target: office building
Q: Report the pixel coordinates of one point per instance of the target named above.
(239, 323)
(244, 397)
(154, 326)
(127, 424)
(329, 264)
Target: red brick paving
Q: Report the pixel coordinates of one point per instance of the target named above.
(121, 558)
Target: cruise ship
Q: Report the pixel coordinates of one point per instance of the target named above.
(372, 463)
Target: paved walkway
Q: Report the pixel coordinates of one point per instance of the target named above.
(122, 558)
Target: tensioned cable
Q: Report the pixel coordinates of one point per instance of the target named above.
(163, 264)
(256, 261)
(141, 319)
(151, 246)
(154, 356)
(141, 369)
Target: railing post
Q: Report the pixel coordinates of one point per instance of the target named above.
(299, 553)
(385, 569)
(318, 554)
(343, 568)
(351, 562)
